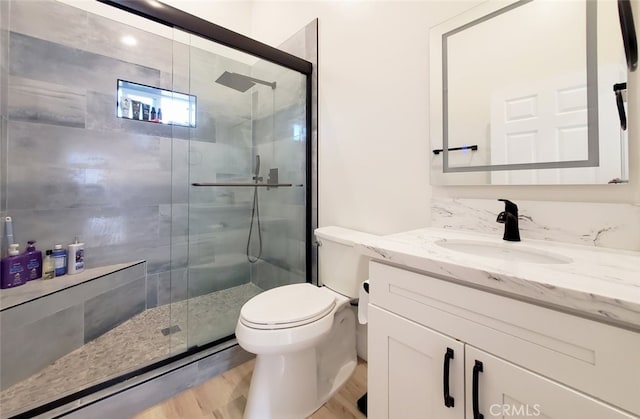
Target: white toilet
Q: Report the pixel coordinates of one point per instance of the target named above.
(304, 336)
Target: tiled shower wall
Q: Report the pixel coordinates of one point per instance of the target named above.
(280, 139)
(282, 210)
(4, 80)
(73, 169)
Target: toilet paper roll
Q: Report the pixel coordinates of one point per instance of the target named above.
(363, 302)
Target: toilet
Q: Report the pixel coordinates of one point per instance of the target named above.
(304, 336)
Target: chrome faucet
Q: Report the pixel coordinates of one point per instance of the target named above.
(509, 217)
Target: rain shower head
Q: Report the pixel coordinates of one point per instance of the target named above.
(240, 82)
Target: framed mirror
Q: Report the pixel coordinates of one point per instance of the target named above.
(528, 92)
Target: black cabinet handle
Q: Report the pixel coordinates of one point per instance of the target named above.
(448, 400)
(477, 369)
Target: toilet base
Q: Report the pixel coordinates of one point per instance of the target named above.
(283, 386)
(294, 385)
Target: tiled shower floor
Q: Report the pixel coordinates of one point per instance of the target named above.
(131, 345)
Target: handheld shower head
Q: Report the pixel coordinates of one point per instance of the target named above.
(257, 171)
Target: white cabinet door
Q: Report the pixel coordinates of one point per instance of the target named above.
(407, 370)
(508, 391)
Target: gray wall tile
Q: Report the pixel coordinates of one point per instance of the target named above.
(4, 89)
(49, 20)
(226, 272)
(100, 169)
(107, 310)
(151, 51)
(47, 103)
(109, 233)
(152, 290)
(42, 60)
(27, 349)
(266, 275)
(172, 286)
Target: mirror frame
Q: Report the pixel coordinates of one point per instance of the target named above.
(438, 86)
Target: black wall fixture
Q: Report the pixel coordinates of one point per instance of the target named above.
(628, 33)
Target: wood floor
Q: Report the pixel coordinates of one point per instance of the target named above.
(224, 397)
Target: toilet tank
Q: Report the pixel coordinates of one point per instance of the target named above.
(340, 267)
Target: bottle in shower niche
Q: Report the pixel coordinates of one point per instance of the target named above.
(33, 261)
(13, 269)
(75, 257)
(60, 259)
(48, 265)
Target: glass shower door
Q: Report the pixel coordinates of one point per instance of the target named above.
(246, 220)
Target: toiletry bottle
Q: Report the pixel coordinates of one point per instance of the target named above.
(159, 115)
(8, 229)
(33, 261)
(76, 258)
(48, 265)
(60, 259)
(153, 113)
(135, 108)
(145, 112)
(13, 270)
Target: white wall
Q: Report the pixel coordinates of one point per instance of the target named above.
(373, 113)
(232, 14)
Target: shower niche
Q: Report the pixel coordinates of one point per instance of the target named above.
(151, 104)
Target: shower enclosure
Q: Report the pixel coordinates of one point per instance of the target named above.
(185, 166)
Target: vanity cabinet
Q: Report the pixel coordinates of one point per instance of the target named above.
(522, 360)
(407, 364)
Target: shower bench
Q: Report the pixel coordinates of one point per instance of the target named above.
(44, 320)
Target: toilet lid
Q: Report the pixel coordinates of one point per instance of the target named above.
(287, 306)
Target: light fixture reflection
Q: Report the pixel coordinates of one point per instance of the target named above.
(155, 3)
(129, 40)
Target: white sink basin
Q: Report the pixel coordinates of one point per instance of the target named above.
(508, 251)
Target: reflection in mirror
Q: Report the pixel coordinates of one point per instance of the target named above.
(522, 92)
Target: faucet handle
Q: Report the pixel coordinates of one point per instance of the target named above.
(509, 206)
(509, 217)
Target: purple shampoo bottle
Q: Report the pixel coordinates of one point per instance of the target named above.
(12, 268)
(32, 261)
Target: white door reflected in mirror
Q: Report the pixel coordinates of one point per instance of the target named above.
(530, 83)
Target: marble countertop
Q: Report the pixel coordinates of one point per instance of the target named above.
(602, 284)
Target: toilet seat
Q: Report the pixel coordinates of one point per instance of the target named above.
(287, 306)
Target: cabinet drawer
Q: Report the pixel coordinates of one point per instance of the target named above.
(598, 359)
(506, 390)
